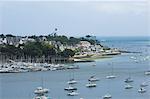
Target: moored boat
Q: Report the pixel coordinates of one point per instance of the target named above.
(70, 88)
(107, 96)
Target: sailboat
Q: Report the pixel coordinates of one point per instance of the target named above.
(72, 93)
(40, 93)
(72, 80)
(70, 88)
(128, 86)
(128, 80)
(142, 90)
(107, 96)
(144, 84)
(90, 85)
(112, 76)
(147, 72)
(93, 79)
(41, 90)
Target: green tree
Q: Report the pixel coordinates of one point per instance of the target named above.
(67, 53)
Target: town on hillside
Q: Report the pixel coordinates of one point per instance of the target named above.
(52, 48)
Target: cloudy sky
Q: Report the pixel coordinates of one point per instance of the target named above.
(75, 18)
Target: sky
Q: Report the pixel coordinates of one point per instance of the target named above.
(75, 17)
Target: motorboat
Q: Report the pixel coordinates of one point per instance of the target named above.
(128, 80)
(142, 90)
(72, 81)
(90, 85)
(41, 90)
(72, 93)
(70, 88)
(107, 96)
(128, 86)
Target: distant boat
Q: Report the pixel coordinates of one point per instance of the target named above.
(94, 65)
(70, 88)
(41, 90)
(144, 84)
(133, 57)
(128, 80)
(72, 81)
(142, 90)
(107, 96)
(40, 93)
(147, 72)
(93, 79)
(73, 67)
(72, 93)
(41, 97)
(90, 85)
(112, 76)
(128, 86)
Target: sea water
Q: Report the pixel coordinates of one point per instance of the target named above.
(22, 85)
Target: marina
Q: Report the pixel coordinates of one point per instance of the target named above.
(74, 49)
(56, 81)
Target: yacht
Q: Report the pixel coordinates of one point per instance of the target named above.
(70, 88)
(128, 86)
(142, 90)
(72, 93)
(107, 96)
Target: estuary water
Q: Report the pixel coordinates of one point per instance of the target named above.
(22, 85)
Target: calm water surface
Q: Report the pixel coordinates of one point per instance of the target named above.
(22, 85)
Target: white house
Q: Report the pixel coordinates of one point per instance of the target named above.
(85, 44)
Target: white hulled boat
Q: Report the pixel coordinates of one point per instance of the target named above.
(93, 79)
(41, 90)
(70, 88)
(72, 93)
(72, 81)
(90, 85)
(144, 84)
(147, 72)
(128, 86)
(107, 96)
(128, 80)
(112, 76)
(41, 97)
(40, 93)
(142, 90)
